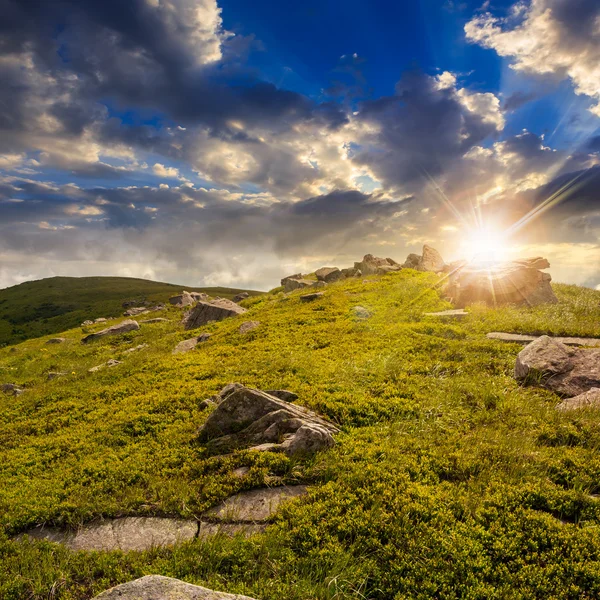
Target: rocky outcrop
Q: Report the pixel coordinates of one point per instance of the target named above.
(240, 297)
(123, 327)
(430, 261)
(311, 297)
(295, 282)
(190, 344)
(372, 265)
(157, 587)
(249, 418)
(516, 282)
(559, 368)
(329, 274)
(135, 311)
(215, 310)
(182, 300)
(199, 296)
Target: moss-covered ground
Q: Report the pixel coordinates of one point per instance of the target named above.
(449, 479)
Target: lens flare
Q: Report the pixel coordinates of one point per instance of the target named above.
(485, 245)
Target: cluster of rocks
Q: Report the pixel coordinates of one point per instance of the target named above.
(94, 322)
(142, 310)
(571, 372)
(246, 418)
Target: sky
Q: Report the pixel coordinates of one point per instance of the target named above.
(233, 142)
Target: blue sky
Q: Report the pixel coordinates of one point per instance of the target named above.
(228, 142)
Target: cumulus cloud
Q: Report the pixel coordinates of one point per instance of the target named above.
(548, 37)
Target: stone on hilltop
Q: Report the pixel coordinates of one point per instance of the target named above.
(241, 296)
(215, 310)
(199, 296)
(157, 587)
(431, 260)
(555, 366)
(247, 418)
(295, 282)
(182, 300)
(329, 274)
(373, 265)
(248, 326)
(135, 311)
(123, 327)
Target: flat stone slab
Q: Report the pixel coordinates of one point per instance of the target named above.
(455, 314)
(255, 506)
(207, 530)
(527, 339)
(156, 587)
(129, 533)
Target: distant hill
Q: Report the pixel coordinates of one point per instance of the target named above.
(47, 306)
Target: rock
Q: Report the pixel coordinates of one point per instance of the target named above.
(534, 263)
(199, 296)
(361, 312)
(182, 300)
(100, 320)
(329, 274)
(127, 534)
(151, 321)
(372, 265)
(520, 338)
(123, 327)
(185, 346)
(318, 284)
(57, 340)
(87, 323)
(307, 440)
(284, 395)
(453, 314)
(351, 272)
(11, 388)
(111, 363)
(555, 366)
(207, 530)
(412, 261)
(500, 284)
(431, 260)
(240, 297)
(157, 587)
(204, 404)
(54, 374)
(136, 348)
(311, 297)
(295, 282)
(255, 506)
(589, 399)
(139, 310)
(248, 326)
(247, 418)
(216, 310)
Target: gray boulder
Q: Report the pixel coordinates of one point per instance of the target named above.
(329, 274)
(182, 300)
(87, 323)
(311, 297)
(58, 340)
(215, 310)
(412, 261)
(157, 587)
(248, 326)
(156, 320)
(199, 296)
(247, 418)
(240, 297)
(351, 272)
(190, 344)
(373, 265)
(137, 310)
(589, 399)
(123, 327)
(11, 388)
(431, 260)
(295, 282)
(555, 366)
(100, 320)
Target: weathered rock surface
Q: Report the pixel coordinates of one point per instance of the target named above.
(284, 395)
(329, 274)
(156, 320)
(497, 284)
(137, 310)
(311, 297)
(557, 367)
(412, 261)
(527, 339)
(248, 326)
(240, 297)
(100, 320)
(129, 533)
(199, 296)
(373, 265)
(215, 310)
(190, 344)
(110, 363)
(123, 327)
(11, 388)
(136, 348)
(589, 399)
(255, 506)
(182, 300)
(247, 418)
(431, 260)
(351, 272)
(295, 282)
(156, 587)
(57, 340)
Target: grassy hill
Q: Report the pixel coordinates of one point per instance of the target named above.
(47, 306)
(449, 480)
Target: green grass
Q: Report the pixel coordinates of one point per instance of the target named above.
(449, 480)
(47, 306)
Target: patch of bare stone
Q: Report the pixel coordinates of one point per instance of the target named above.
(122, 327)
(206, 311)
(187, 345)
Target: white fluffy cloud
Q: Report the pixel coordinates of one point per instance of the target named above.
(548, 37)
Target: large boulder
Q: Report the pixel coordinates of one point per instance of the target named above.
(157, 587)
(215, 310)
(182, 300)
(373, 265)
(135, 311)
(241, 296)
(295, 282)
(249, 418)
(589, 399)
(557, 367)
(499, 284)
(122, 327)
(431, 260)
(329, 274)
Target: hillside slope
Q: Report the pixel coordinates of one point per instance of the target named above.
(449, 480)
(47, 306)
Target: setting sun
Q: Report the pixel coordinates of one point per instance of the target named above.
(483, 245)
